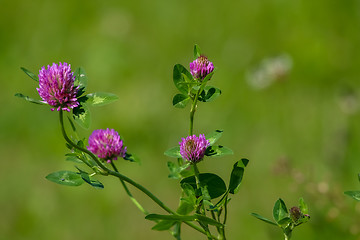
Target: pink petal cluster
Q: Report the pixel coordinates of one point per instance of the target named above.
(106, 144)
(192, 148)
(201, 67)
(56, 86)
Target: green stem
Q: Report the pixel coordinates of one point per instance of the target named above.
(225, 209)
(137, 204)
(192, 112)
(107, 171)
(68, 140)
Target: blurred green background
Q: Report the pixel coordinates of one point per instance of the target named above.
(301, 134)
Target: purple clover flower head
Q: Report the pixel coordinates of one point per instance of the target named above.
(56, 86)
(106, 144)
(192, 148)
(201, 67)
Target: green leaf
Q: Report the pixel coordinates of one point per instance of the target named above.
(280, 211)
(243, 162)
(180, 100)
(88, 179)
(263, 219)
(20, 95)
(100, 98)
(163, 225)
(80, 77)
(207, 220)
(214, 184)
(214, 136)
(185, 207)
(213, 151)
(195, 217)
(177, 231)
(285, 222)
(303, 206)
(188, 200)
(209, 94)
(174, 173)
(81, 115)
(173, 152)
(197, 51)
(30, 74)
(179, 81)
(132, 158)
(236, 177)
(74, 159)
(177, 172)
(354, 194)
(65, 178)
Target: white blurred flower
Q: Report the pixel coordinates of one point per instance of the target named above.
(269, 71)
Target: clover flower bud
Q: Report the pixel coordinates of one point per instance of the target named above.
(201, 67)
(56, 86)
(192, 148)
(106, 144)
(295, 214)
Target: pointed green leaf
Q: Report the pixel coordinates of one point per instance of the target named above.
(303, 206)
(180, 100)
(132, 158)
(73, 159)
(93, 182)
(177, 231)
(179, 81)
(185, 207)
(163, 225)
(67, 178)
(285, 222)
(173, 152)
(177, 172)
(236, 177)
(215, 151)
(354, 194)
(90, 180)
(213, 183)
(100, 98)
(280, 211)
(263, 219)
(26, 98)
(81, 115)
(209, 94)
(197, 51)
(243, 162)
(187, 201)
(30, 74)
(214, 136)
(207, 220)
(174, 172)
(80, 77)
